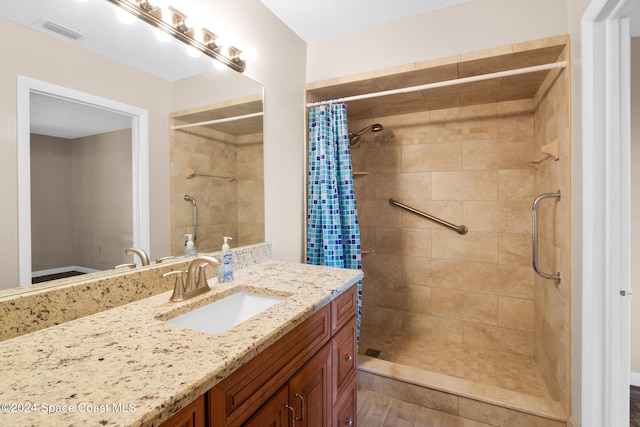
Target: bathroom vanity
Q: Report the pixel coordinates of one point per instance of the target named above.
(130, 366)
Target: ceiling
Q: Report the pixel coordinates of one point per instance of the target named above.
(313, 21)
(100, 31)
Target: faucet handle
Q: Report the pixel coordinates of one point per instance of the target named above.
(164, 258)
(125, 265)
(202, 276)
(178, 287)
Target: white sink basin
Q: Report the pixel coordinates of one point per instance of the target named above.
(222, 315)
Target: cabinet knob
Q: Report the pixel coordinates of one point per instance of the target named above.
(348, 358)
(348, 422)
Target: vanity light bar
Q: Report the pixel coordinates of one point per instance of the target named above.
(172, 22)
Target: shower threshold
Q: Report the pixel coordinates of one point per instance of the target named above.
(429, 373)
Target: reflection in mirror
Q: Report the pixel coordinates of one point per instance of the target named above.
(173, 81)
(216, 157)
(81, 188)
(83, 181)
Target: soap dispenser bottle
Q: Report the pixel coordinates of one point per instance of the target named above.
(190, 249)
(225, 270)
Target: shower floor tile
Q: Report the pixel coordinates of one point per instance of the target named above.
(482, 365)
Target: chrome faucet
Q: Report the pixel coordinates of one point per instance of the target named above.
(144, 258)
(195, 282)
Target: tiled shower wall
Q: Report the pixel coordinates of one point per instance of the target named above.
(468, 166)
(553, 300)
(225, 208)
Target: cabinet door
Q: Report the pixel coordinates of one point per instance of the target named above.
(310, 391)
(190, 416)
(344, 357)
(274, 414)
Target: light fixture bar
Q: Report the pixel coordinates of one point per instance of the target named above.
(171, 21)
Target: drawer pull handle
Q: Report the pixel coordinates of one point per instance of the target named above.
(293, 415)
(348, 422)
(348, 358)
(301, 407)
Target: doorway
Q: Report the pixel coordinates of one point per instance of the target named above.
(139, 164)
(606, 286)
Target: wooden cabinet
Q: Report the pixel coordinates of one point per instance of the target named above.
(307, 378)
(191, 416)
(274, 414)
(310, 391)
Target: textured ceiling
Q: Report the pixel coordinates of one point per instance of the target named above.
(318, 20)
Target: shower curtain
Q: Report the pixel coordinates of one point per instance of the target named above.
(333, 233)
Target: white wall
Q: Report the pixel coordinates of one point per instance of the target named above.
(467, 27)
(280, 68)
(635, 209)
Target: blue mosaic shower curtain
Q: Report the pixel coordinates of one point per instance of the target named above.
(333, 233)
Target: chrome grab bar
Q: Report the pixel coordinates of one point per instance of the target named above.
(188, 198)
(460, 229)
(534, 235)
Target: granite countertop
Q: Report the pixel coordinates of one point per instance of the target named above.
(128, 366)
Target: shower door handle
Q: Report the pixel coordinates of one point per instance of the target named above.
(534, 235)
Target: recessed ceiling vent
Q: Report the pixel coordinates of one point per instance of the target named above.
(59, 29)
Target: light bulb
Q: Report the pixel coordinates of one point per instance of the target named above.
(192, 51)
(125, 17)
(249, 55)
(161, 35)
(159, 3)
(219, 65)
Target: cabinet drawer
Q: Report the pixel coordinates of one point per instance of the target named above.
(242, 393)
(342, 308)
(345, 410)
(344, 357)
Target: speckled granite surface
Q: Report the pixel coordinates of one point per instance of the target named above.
(39, 306)
(126, 366)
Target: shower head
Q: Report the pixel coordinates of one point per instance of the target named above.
(354, 138)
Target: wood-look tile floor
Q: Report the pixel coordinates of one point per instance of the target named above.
(634, 412)
(486, 366)
(379, 410)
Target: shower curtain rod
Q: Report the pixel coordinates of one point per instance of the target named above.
(444, 83)
(212, 122)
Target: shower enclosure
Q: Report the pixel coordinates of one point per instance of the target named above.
(462, 318)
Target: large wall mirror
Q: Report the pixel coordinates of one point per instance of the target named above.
(164, 88)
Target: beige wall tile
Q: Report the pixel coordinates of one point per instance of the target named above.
(498, 216)
(515, 313)
(415, 299)
(404, 186)
(502, 417)
(464, 185)
(516, 184)
(470, 306)
(403, 241)
(515, 248)
(432, 327)
(498, 279)
(505, 153)
(432, 157)
(513, 340)
(478, 247)
(443, 273)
